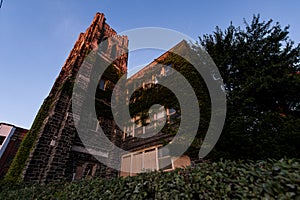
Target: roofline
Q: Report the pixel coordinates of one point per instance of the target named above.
(14, 126)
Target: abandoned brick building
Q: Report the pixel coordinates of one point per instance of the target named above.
(57, 152)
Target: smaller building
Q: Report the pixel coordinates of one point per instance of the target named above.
(10, 140)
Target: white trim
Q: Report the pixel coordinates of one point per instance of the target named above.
(5, 142)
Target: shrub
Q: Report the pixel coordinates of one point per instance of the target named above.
(219, 180)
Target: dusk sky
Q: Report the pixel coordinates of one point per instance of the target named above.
(36, 37)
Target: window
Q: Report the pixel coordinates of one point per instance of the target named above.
(137, 163)
(128, 131)
(148, 159)
(139, 130)
(164, 159)
(2, 138)
(126, 165)
(85, 170)
(102, 84)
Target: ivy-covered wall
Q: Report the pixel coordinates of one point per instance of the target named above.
(143, 98)
(18, 164)
(15, 171)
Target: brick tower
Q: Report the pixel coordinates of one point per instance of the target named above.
(58, 153)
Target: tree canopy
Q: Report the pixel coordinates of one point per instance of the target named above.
(260, 69)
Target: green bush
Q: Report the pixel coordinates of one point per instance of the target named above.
(219, 180)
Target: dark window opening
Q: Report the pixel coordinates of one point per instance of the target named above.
(102, 84)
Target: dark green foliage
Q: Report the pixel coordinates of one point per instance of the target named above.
(18, 164)
(155, 94)
(144, 98)
(196, 81)
(67, 87)
(260, 69)
(220, 180)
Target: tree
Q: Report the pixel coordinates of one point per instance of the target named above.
(260, 70)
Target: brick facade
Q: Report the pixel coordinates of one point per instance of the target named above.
(58, 152)
(11, 149)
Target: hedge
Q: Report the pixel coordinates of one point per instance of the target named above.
(269, 179)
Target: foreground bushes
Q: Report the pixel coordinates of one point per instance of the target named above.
(225, 179)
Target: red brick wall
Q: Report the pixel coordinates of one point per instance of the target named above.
(11, 150)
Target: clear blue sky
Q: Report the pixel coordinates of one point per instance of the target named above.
(36, 36)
